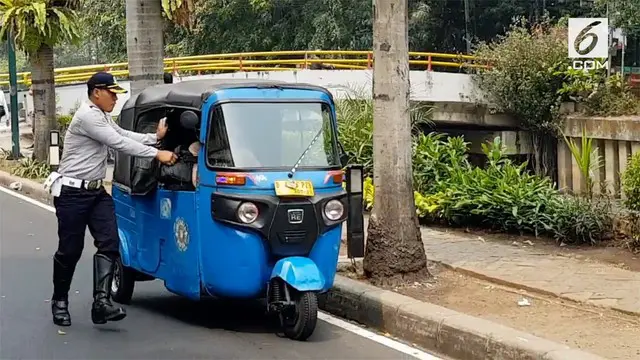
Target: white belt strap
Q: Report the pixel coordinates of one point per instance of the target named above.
(81, 184)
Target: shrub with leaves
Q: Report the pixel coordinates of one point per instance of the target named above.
(502, 196)
(578, 220)
(612, 98)
(63, 125)
(355, 125)
(631, 183)
(522, 80)
(587, 158)
(31, 169)
(434, 158)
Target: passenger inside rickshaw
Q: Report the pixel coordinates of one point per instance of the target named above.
(184, 142)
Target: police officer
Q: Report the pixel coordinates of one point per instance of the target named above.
(83, 202)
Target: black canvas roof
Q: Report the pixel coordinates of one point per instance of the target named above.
(192, 94)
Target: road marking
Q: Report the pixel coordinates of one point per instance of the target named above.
(28, 199)
(335, 321)
(380, 339)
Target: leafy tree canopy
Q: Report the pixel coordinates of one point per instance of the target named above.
(38, 22)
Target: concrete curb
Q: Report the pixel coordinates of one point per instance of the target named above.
(439, 329)
(30, 188)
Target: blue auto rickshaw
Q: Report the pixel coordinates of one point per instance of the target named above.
(263, 216)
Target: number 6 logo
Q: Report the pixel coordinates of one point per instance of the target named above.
(583, 35)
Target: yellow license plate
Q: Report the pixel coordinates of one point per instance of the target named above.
(294, 188)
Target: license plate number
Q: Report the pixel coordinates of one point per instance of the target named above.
(301, 188)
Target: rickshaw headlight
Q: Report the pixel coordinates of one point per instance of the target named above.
(334, 210)
(248, 212)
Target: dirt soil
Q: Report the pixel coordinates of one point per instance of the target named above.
(605, 332)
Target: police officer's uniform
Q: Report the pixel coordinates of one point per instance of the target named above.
(81, 201)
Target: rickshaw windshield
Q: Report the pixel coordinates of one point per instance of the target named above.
(272, 135)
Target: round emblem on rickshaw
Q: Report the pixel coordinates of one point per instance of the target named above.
(181, 233)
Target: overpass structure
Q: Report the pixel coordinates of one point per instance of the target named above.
(442, 80)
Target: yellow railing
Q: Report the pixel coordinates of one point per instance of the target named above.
(258, 61)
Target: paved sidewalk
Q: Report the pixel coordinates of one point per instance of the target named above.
(536, 270)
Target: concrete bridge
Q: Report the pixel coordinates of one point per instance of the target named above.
(453, 94)
(459, 108)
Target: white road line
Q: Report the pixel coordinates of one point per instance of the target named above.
(388, 342)
(383, 340)
(27, 199)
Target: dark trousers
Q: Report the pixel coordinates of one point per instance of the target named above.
(77, 209)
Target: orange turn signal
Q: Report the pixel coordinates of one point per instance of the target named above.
(231, 179)
(337, 176)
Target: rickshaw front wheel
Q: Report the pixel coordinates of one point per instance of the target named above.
(123, 282)
(302, 322)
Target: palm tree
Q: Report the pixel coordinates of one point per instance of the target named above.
(394, 246)
(37, 27)
(145, 42)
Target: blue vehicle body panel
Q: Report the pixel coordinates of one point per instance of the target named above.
(172, 236)
(299, 272)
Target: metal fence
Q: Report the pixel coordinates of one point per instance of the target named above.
(262, 61)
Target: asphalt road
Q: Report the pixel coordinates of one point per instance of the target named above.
(159, 325)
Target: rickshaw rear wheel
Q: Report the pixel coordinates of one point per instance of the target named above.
(124, 280)
(302, 323)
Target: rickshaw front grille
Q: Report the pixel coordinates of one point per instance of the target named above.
(293, 236)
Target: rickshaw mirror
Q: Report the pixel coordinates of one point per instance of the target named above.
(189, 120)
(344, 159)
(355, 216)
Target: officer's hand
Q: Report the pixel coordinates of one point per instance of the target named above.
(161, 131)
(166, 157)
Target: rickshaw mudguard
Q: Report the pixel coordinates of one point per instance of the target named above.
(125, 255)
(299, 272)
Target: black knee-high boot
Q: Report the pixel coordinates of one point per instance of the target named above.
(62, 276)
(102, 309)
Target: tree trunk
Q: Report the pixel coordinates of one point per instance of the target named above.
(394, 250)
(44, 100)
(145, 48)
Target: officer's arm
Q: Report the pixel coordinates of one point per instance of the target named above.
(147, 139)
(96, 126)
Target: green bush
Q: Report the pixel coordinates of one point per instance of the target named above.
(31, 169)
(64, 120)
(63, 125)
(355, 125)
(522, 81)
(434, 158)
(502, 196)
(612, 98)
(579, 220)
(631, 183)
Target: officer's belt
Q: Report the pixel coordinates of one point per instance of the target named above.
(81, 184)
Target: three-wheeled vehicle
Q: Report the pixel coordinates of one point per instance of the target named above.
(263, 216)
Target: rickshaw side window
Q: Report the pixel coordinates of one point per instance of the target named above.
(144, 170)
(217, 149)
